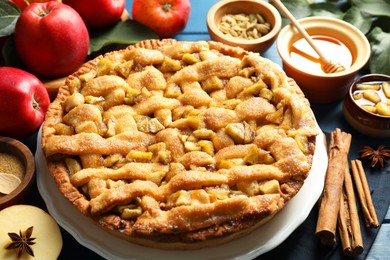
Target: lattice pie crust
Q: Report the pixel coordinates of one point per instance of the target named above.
(179, 144)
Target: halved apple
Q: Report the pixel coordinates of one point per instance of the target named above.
(47, 234)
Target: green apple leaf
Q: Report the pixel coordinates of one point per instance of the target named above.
(373, 7)
(298, 8)
(121, 34)
(362, 21)
(9, 14)
(326, 9)
(380, 51)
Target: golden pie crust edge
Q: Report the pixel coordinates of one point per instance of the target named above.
(208, 237)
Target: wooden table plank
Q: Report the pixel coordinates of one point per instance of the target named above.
(380, 250)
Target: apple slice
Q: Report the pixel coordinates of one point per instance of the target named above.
(8, 182)
(47, 234)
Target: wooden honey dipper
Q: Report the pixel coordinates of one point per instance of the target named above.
(328, 66)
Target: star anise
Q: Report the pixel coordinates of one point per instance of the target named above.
(22, 242)
(376, 156)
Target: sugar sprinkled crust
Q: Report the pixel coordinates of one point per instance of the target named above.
(179, 144)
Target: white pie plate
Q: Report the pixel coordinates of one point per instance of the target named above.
(260, 241)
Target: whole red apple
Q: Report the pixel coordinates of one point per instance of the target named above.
(165, 17)
(51, 39)
(23, 102)
(98, 13)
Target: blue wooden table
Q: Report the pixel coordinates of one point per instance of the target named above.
(197, 30)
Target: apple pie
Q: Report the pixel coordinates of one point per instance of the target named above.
(175, 144)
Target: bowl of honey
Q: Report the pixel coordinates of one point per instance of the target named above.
(366, 107)
(339, 41)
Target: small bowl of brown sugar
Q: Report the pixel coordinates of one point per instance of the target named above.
(17, 171)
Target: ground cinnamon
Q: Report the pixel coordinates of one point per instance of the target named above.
(330, 201)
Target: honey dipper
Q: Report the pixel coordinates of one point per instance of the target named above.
(328, 66)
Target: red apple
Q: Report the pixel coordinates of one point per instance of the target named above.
(23, 4)
(20, 3)
(98, 13)
(165, 17)
(23, 102)
(51, 39)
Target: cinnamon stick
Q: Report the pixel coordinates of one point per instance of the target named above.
(330, 202)
(364, 194)
(348, 223)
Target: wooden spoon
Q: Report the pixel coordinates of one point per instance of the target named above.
(328, 66)
(8, 182)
